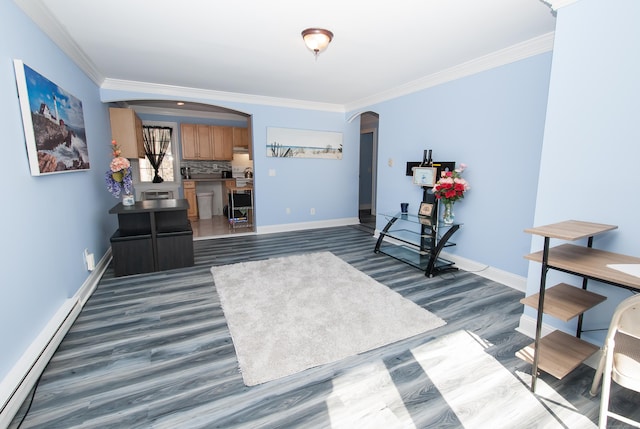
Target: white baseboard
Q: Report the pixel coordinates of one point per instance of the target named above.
(506, 278)
(17, 384)
(270, 229)
(527, 327)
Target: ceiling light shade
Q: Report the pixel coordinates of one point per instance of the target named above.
(317, 39)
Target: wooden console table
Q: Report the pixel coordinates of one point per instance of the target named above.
(559, 353)
(152, 235)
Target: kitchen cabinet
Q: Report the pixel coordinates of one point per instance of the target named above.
(126, 130)
(222, 142)
(190, 196)
(206, 142)
(189, 138)
(205, 148)
(196, 142)
(241, 137)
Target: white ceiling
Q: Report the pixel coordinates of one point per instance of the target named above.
(254, 47)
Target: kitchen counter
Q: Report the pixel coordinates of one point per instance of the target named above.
(208, 178)
(234, 188)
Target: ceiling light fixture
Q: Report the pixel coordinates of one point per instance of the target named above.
(317, 39)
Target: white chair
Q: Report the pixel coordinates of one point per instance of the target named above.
(620, 359)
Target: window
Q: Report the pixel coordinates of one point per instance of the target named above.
(159, 142)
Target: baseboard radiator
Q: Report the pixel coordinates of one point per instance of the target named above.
(17, 385)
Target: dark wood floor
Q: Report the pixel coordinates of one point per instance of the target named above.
(154, 350)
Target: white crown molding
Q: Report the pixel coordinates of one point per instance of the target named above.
(196, 94)
(520, 51)
(557, 4)
(45, 20)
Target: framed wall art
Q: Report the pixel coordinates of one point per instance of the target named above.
(293, 143)
(424, 176)
(426, 209)
(53, 124)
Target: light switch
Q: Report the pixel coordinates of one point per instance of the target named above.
(272, 172)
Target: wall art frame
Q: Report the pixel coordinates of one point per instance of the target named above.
(425, 176)
(426, 209)
(296, 143)
(53, 122)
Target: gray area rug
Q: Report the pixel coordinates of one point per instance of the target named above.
(293, 313)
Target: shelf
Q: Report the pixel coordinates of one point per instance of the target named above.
(421, 244)
(559, 353)
(414, 257)
(564, 301)
(412, 238)
(591, 263)
(570, 230)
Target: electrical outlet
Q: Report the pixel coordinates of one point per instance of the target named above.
(312, 211)
(88, 259)
(390, 162)
(288, 210)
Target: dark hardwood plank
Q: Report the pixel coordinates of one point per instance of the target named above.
(153, 350)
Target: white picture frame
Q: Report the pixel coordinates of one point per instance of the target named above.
(53, 123)
(424, 176)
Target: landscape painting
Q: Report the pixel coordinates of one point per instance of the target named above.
(293, 143)
(53, 124)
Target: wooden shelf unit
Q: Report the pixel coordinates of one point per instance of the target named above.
(564, 301)
(559, 353)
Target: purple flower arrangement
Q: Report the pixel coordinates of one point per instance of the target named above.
(118, 177)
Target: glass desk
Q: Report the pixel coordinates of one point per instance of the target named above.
(419, 240)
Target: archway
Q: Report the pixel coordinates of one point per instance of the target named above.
(175, 113)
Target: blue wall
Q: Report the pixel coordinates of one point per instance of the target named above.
(591, 141)
(328, 186)
(493, 122)
(47, 221)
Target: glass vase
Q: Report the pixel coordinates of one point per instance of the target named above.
(448, 216)
(128, 199)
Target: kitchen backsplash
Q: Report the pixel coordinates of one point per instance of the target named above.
(206, 167)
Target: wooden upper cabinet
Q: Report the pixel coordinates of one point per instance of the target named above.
(189, 138)
(126, 130)
(222, 143)
(205, 145)
(241, 137)
(207, 142)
